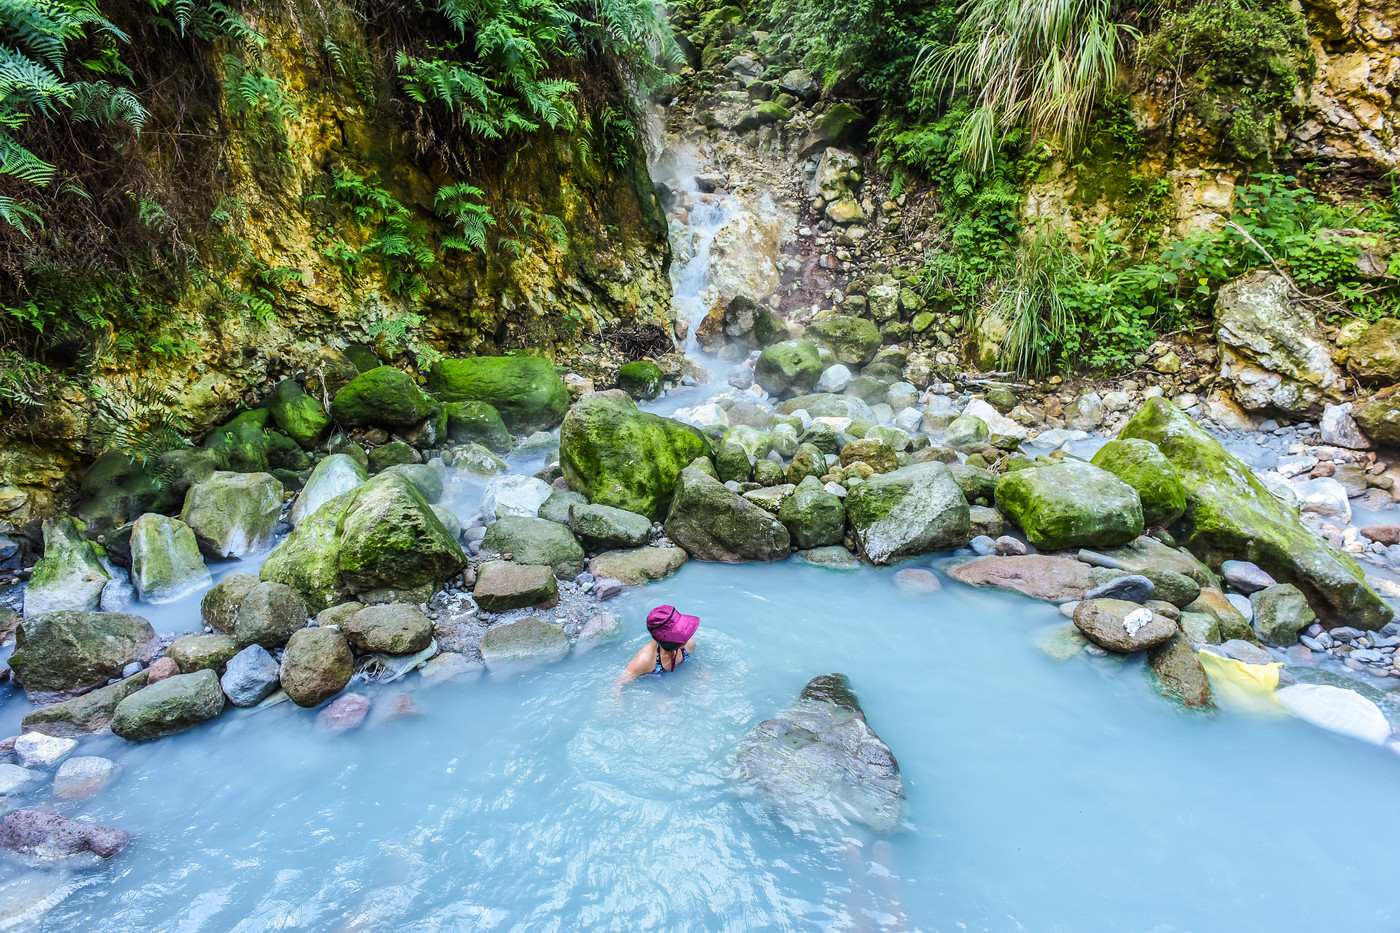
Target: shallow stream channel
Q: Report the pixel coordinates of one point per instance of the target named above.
(1043, 794)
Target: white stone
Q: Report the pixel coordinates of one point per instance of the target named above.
(836, 489)
(1116, 401)
(1295, 465)
(1325, 497)
(81, 777)
(1338, 710)
(1340, 430)
(36, 750)
(711, 414)
(901, 395)
(834, 379)
(333, 476)
(835, 422)
(14, 779)
(1052, 439)
(909, 420)
(515, 494)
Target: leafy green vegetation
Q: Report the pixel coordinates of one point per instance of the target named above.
(1236, 64)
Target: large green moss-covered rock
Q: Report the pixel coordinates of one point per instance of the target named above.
(536, 541)
(233, 514)
(115, 491)
(813, 517)
(1379, 417)
(71, 652)
(297, 414)
(169, 706)
(1374, 356)
(907, 512)
(165, 559)
(712, 523)
(477, 423)
(789, 368)
(1230, 515)
(1142, 466)
(69, 576)
(526, 390)
(629, 459)
(1070, 504)
(641, 379)
(381, 535)
(853, 340)
(86, 714)
(383, 396)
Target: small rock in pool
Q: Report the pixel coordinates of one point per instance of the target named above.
(1382, 534)
(132, 669)
(80, 778)
(402, 705)
(1134, 588)
(917, 582)
(605, 588)
(50, 836)
(1245, 577)
(36, 750)
(344, 713)
(983, 545)
(1115, 625)
(14, 779)
(1007, 546)
(450, 665)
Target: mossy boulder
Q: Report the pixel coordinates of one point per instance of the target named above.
(975, 482)
(69, 576)
(316, 666)
(871, 451)
(201, 652)
(73, 652)
(477, 423)
(169, 706)
(116, 491)
(1070, 504)
(392, 454)
(1374, 356)
(536, 541)
(602, 526)
(808, 461)
(853, 340)
(712, 523)
(86, 714)
(503, 585)
(907, 512)
(641, 379)
(1142, 466)
(269, 615)
(384, 397)
(733, 463)
(1379, 417)
(1231, 515)
(789, 368)
(382, 535)
(298, 415)
(233, 514)
(219, 607)
(813, 517)
(526, 390)
(165, 559)
(840, 124)
(392, 628)
(638, 565)
(619, 456)
(1177, 674)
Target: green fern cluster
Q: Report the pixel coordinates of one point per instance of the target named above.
(399, 241)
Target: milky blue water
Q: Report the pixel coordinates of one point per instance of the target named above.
(1043, 795)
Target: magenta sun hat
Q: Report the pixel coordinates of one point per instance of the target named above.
(666, 624)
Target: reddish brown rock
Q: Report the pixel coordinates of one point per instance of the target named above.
(1382, 534)
(50, 836)
(1056, 579)
(345, 712)
(162, 668)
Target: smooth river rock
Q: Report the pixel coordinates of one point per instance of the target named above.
(165, 559)
(1103, 622)
(69, 576)
(907, 512)
(1040, 576)
(250, 677)
(820, 758)
(61, 653)
(316, 665)
(637, 566)
(170, 706)
(51, 837)
(233, 514)
(526, 641)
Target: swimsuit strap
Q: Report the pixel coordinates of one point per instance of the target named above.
(660, 669)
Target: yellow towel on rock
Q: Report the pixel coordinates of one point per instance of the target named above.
(1248, 687)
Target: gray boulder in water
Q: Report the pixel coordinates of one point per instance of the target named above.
(820, 757)
(49, 836)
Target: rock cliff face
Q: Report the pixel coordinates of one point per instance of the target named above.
(1351, 115)
(299, 256)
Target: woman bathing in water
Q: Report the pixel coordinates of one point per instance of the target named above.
(673, 639)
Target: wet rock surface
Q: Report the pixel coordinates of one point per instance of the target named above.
(820, 759)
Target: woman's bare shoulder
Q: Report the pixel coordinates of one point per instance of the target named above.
(643, 661)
